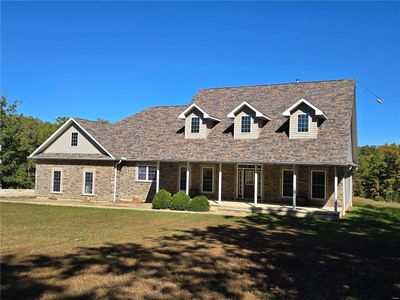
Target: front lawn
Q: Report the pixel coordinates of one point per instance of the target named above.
(70, 252)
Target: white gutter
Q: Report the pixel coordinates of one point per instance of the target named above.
(115, 178)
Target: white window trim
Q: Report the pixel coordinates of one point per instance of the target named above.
(93, 183)
(251, 124)
(52, 181)
(179, 178)
(200, 123)
(285, 170)
(212, 181)
(309, 121)
(77, 139)
(311, 184)
(147, 173)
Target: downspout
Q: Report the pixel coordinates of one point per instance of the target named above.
(115, 179)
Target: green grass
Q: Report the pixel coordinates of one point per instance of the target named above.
(71, 252)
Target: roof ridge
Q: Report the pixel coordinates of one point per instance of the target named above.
(273, 84)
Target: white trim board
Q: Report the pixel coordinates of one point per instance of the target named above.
(205, 114)
(318, 112)
(259, 114)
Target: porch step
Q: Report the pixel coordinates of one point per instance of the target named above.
(283, 211)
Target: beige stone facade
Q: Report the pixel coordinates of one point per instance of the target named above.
(129, 186)
(72, 179)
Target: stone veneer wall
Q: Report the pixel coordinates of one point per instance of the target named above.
(72, 179)
(273, 184)
(128, 186)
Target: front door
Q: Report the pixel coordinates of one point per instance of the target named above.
(248, 186)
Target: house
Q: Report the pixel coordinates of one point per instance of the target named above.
(292, 143)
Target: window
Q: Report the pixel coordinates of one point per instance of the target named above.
(74, 139)
(56, 188)
(246, 124)
(195, 126)
(146, 173)
(302, 122)
(287, 183)
(318, 185)
(207, 180)
(88, 183)
(249, 177)
(182, 178)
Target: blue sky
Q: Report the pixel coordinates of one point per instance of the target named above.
(111, 59)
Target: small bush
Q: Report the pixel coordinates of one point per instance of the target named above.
(199, 203)
(162, 200)
(180, 201)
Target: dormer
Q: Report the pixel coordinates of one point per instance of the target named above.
(304, 119)
(248, 121)
(198, 122)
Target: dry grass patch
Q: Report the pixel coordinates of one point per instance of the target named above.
(59, 252)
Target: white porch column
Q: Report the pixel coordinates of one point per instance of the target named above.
(158, 177)
(351, 190)
(255, 185)
(187, 178)
(344, 192)
(335, 190)
(220, 184)
(294, 186)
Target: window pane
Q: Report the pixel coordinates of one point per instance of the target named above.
(182, 179)
(142, 173)
(152, 173)
(246, 124)
(57, 181)
(207, 179)
(88, 182)
(287, 190)
(248, 177)
(318, 185)
(74, 139)
(195, 126)
(302, 123)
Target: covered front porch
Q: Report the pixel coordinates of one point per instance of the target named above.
(276, 209)
(294, 189)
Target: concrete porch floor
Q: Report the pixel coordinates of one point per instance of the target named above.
(282, 210)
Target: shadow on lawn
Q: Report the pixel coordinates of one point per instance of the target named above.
(260, 256)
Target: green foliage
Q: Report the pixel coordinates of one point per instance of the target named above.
(162, 200)
(378, 174)
(19, 137)
(199, 203)
(180, 201)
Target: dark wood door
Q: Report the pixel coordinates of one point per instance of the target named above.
(248, 187)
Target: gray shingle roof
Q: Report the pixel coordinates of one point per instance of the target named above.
(156, 133)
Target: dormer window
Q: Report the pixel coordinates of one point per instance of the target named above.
(195, 125)
(198, 122)
(302, 122)
(248, 121)
(245, 124)
(74, 139)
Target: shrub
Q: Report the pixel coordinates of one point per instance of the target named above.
(199, 203)
(180, 201)
(162, 200)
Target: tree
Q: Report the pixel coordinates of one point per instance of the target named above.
(19, 137)
(378, 174)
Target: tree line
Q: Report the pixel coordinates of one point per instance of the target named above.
(378, 173)
(377, 176)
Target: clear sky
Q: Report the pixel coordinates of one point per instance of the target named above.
(111, 59)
